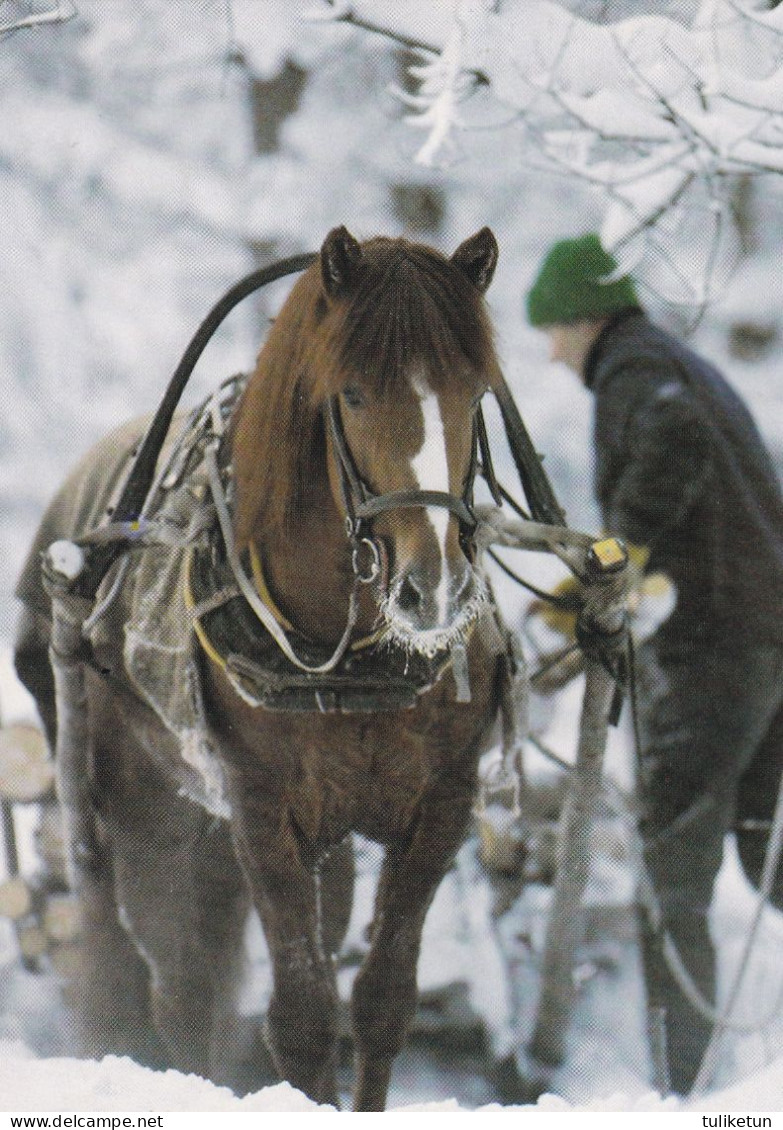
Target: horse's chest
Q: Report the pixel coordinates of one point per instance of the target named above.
(371, 781)
(364, 772)
(371, 773)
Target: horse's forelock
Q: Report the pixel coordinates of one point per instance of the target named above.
(410, 308)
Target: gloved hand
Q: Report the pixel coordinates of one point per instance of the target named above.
(551, 627)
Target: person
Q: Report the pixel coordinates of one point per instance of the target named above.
(680, 468)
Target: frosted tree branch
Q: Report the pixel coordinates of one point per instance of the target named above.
(443, 85)
(62, 12)
(342, 11)
(677, 107)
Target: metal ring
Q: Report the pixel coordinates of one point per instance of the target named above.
(375, 562)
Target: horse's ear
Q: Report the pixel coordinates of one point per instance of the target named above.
(478, 257)
(340, 258)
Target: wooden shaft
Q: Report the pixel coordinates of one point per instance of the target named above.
(73, 735)
(9, 838)
(564, 929)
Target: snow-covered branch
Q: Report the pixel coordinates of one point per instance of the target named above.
(62, 11)
(648, 108)
(443, 85)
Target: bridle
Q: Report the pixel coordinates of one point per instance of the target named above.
(362, 504)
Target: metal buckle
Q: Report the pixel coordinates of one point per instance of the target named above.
(375, 561)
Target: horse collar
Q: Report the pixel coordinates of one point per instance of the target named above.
(262, 588)
(365, 679)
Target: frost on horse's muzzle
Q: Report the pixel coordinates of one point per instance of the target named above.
(420, 630)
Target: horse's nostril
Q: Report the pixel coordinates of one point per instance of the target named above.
(409, 597)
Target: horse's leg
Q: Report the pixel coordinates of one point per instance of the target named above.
(108, 990)
(384, 994)
(302, 1016)
(185, 903)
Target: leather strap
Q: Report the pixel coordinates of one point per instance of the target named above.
(406, 499)
(362, 505)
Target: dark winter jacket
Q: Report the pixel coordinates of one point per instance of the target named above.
(680, 467)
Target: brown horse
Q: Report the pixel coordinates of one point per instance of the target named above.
(348, 465)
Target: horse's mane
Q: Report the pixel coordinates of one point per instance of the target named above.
(409, 304)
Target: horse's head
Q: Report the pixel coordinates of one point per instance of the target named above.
(405, 354)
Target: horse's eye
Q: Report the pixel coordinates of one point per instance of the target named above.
(353, 397)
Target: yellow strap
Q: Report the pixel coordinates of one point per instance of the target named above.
(263, 592)
(262, 589)
(198, 627)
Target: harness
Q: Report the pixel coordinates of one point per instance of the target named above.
(366, 679)
(341, 678)
(268, 662)
(368, 557)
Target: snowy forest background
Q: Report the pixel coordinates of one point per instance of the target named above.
(151, 153)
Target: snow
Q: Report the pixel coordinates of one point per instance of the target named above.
(115, 1083)
(119, 1084)
(675, 99)
(132, 200)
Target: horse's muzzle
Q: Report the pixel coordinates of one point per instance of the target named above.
(427, 617)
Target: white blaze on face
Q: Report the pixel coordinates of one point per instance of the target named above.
(431, 468)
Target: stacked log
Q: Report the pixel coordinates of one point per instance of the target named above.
(44, 913)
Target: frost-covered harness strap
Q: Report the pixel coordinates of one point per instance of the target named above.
(367, 678)
(268, 662)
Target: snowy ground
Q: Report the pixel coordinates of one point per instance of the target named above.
(120, 1085)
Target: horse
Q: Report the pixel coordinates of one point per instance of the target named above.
(343, 480)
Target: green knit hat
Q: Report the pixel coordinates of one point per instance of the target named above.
(569, 284)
